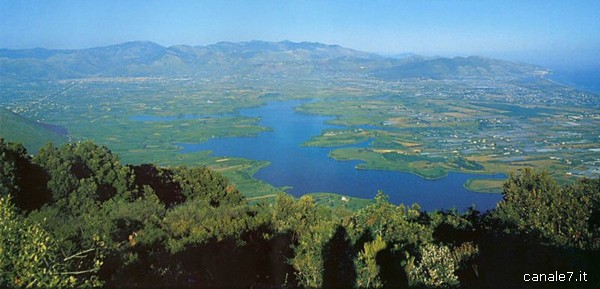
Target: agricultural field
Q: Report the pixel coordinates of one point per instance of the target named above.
(464, 130)
(406, 126)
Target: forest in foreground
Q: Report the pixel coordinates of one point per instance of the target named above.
(75, 217)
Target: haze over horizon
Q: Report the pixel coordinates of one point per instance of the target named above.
(552, 33)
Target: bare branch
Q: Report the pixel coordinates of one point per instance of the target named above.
(78, 255)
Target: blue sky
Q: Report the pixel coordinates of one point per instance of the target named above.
(566, 32)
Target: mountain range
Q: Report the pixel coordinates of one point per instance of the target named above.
(258, 58)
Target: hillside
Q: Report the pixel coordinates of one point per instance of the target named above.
(32, 134)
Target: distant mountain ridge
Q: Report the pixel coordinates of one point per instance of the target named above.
(260, 58)
(457, 67)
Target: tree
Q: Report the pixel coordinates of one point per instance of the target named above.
(31, 258)
(310, 232)
(535, 205)
(398, 226)
(22, 179)
(201, 182)
(160, 181)
(367, 268)
(73, 163)
(436, 268)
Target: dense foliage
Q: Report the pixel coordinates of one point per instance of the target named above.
(74, 216)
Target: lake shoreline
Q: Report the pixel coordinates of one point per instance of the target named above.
(309, 169)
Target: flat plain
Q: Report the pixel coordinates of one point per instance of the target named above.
(478, 116)
(409, 126)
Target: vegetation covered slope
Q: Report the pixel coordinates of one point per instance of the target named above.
(74, 216)
(31, 134)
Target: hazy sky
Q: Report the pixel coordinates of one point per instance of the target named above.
(541, 31)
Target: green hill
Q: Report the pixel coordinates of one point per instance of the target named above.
(31, 134)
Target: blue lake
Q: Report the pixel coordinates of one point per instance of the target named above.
(309, 169)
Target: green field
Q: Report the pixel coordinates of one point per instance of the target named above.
(430, 137)
(485, 185)
(427, 128)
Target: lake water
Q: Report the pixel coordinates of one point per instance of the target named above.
(309, 169)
